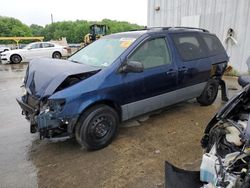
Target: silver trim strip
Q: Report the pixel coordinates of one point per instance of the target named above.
(137, 108)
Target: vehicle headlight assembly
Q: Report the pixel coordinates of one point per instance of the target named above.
(56, 105)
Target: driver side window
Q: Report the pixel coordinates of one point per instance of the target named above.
(37, 45)
(152, 53)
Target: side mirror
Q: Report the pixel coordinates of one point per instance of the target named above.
(132, 66)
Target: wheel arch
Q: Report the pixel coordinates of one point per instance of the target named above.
(56, 51)
(107, 102)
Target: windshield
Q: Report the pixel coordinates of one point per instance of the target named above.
(102, 52)
(99, 30)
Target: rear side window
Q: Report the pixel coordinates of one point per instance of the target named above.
(48, 45)
(213, 43)
(189, 46)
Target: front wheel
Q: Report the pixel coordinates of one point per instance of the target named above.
(209, 94)
(15, 59)
(97, 127)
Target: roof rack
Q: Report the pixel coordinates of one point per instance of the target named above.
(160, 28)
(194, 28)
(139, 29)
(172, 28)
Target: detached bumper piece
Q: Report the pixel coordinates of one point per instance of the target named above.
(179, 178)
(25, 107)
(29, 113)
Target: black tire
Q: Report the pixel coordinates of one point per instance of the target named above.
(97, 127)
(15, 59)
(209, 94)
(57, 55)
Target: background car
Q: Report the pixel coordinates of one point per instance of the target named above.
(34, 50)
(3, 49)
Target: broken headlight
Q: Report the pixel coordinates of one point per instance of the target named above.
(56, 105)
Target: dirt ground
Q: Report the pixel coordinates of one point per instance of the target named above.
(135, 158)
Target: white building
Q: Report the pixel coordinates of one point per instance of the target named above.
(218, 16)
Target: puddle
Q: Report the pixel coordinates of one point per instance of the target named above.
(16, 168)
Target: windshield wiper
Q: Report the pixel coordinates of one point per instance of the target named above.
(74, 61)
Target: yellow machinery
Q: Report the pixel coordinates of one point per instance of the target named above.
(96, 32)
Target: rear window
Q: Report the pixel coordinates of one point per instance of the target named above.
(48, 45)
(189, 46)
(213, 43)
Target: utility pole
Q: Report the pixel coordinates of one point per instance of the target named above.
(52, 21)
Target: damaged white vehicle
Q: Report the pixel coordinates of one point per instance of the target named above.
(226, 142)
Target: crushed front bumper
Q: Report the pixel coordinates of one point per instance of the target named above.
(51, 125)
(48, 123)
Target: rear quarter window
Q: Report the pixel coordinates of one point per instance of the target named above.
(48, 45)
(189, 46)
(213, 44)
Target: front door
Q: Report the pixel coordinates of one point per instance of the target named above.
(155, 87)
(35, 51)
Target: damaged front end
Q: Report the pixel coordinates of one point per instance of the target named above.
(45, 113)
(45, 117)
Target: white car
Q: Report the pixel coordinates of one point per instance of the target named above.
(34, 50)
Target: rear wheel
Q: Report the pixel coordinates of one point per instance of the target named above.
(57, 55)
(209, 94)
(97, 127)
(15, 59)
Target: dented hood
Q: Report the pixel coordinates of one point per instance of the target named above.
(43, 76)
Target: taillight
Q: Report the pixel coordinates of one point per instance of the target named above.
(68, 49)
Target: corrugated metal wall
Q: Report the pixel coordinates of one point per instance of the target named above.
(215, 15)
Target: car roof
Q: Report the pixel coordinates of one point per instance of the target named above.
(128, 34)
(42, 42)
(153, 30)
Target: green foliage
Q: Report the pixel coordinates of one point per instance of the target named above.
(11, 27)
(37, 30)
(119, 26)
(74, 31)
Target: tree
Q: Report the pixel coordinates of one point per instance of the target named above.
(37, 30)
(74, 31)
(11, 27)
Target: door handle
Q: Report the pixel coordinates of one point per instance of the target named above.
(171, 72)
(183, 69)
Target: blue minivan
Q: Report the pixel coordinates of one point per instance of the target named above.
(118, 77)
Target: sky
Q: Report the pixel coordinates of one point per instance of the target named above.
(39, 12)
